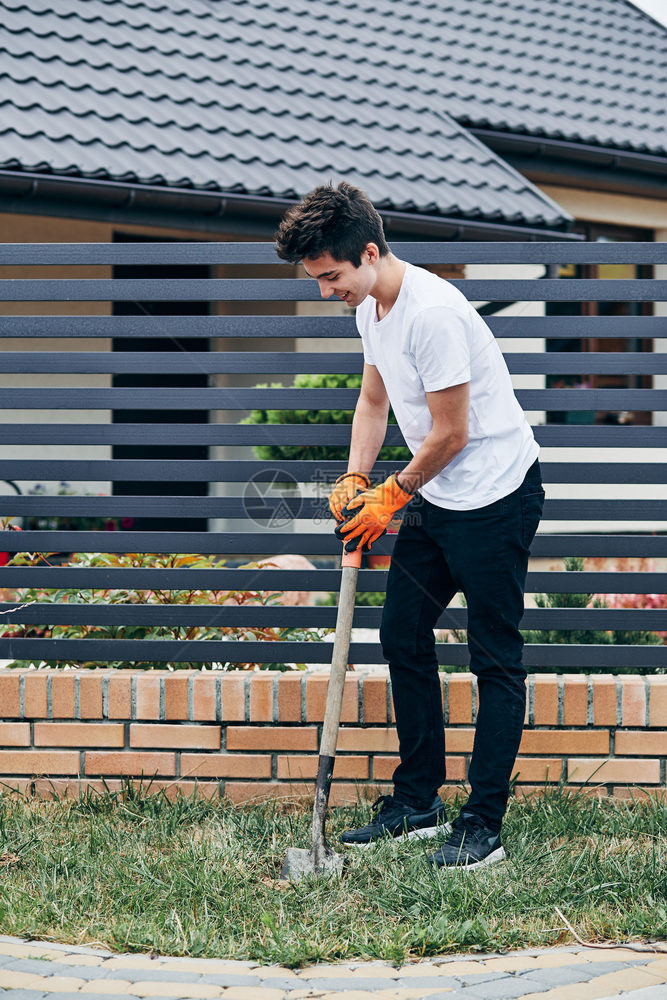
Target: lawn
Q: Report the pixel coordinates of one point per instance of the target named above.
(133, 871)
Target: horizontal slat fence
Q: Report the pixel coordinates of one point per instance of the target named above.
(245, 545)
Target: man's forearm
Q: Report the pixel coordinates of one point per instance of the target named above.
(434, 453)
(369, 426)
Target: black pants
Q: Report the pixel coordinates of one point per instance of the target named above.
(484, 553)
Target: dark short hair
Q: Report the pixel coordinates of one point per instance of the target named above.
(337, 220)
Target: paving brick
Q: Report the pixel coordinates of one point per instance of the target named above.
(261, 696)
(148, 695)
(252, 993)
(178, 737)
(157, 974)
(641, 742)
(289, 697)
(567, 741)
(204, 697)
(35, 696)
(119, 696)
(61, 984)
(226, 765)
(14, 734)
(232, 979)
(545, 687)
(575, 700)
(126, 762)
(24, 994)
(460, 698)
(39, 762)
(428, 983)
(10, 694)
(600, 771)
(633, 700)
(90, 694)
(79, 734)
(62, 695)
(381, 740)
(604, 701)
(564, 975)
(272, 738)
(658, 701)
(37, 966)
(176, 696)
(148, 988)
(298, 766)
(507, 988)
(233, 696)
(106, 988)
(316, 696)
(375, 699)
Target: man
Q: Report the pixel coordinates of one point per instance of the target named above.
(472, 496)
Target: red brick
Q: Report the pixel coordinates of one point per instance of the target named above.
(233, 696)
(383, 767)
(79, 734)
(658, 701)
(90, 695)
(567, 741)
(204, 697)
(453, 791)
(297, 766)
(316, 696)
(459, 740)
(15, 788)
(575, 700)
(641, 742)
(530, 791)
(120, 696)
(15, 734)
(375, 699)
(342, 793)
(10, 705)
(103, 762)
(460, 698)
(535, 768)
(174, 737)
(604, 701)
(261, 696)
(35, 696)
(148, 694)
(635, 792)
(39, 762)
(176, 696)
(226, 765)
(615, 770)
(633, 699)
(62, 695)
(289, 697)
(72, 789)
(368, 740)
(271, 738)
(545, 699)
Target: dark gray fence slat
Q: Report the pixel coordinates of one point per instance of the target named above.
(100, 577)
(22, 254)
(322, 473)
(292, 362)
(331, 327)
(300, 289)
(262, 509)
(308, 617)
(220, 651)
(300, 399)
(260, 544)
(553, 435)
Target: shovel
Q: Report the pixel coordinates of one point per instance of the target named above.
(320, 858)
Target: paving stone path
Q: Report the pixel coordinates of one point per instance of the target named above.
(30, 970)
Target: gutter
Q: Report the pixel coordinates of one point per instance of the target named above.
(34, 193)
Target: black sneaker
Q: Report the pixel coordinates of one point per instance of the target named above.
(400, 821)
(470, 845)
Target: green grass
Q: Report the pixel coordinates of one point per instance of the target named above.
(133, 871)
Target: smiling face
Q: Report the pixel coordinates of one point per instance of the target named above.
(341, 278)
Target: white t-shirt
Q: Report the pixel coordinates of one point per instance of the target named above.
(432, 338)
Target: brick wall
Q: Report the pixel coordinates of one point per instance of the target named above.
(251, 735)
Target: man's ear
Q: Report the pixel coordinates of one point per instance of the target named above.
(372, 251)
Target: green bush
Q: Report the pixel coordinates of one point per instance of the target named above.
(394, 453)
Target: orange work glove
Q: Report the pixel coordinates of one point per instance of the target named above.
(345, 488)
(371, 512)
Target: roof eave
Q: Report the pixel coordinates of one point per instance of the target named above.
(34, 193)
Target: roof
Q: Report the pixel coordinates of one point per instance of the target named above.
(271, 97)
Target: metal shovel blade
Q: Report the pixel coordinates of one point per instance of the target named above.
(300, 862)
